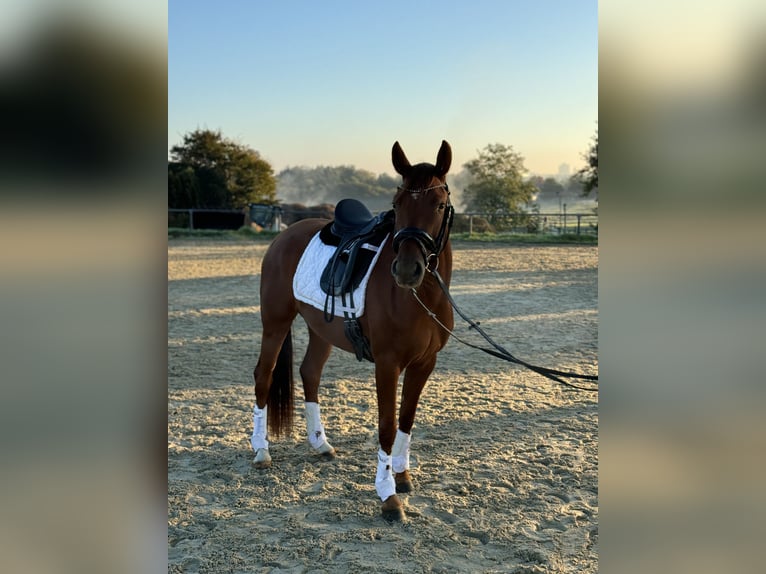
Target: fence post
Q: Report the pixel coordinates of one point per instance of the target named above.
(470, 225)
(191, 219)
(579, 215)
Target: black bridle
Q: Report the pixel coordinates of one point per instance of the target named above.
(430, 248)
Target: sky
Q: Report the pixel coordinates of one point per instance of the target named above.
(309, 83)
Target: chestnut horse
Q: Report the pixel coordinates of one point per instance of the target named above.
(402, 336)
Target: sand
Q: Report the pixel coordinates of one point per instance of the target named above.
(504, 461)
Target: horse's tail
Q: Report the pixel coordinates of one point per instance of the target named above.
(280, 402)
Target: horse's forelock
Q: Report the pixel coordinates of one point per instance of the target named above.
(421, 176)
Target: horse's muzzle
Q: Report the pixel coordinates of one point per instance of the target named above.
(408, 272)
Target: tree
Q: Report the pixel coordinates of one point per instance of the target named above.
(550, 189)
(497, 186)
(573, 186)
(250, 179)
(588, 175)
(211, 171)
(183, 186)
(331, 184)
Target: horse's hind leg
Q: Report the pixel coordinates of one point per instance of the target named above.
(274, 348)
(311, 371)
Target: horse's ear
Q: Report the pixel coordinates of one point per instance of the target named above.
(443, 159)
(400, 161)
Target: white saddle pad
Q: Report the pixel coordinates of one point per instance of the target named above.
(306, 279)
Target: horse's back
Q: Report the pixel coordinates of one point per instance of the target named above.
(280, 262)
(286, 249)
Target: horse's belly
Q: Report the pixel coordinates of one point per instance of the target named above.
(332, 332)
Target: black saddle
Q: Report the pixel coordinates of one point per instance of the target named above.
(356, 233)
(352, 218)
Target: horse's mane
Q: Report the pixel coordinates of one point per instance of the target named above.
(422, 173)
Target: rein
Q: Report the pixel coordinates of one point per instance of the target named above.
(498, 351)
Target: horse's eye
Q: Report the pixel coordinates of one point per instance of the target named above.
(442, 206)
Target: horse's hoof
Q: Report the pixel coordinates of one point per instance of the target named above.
(327, 456)
(404, 487)
(326, 452)
(262, 459)
(392, 509)
(403, 482)
(396, 515)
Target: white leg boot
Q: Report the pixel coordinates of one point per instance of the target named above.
(258, 441)
(400, 453)
(384, 478)
(315, 431)
(400, 460)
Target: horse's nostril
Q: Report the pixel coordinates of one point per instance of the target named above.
(393, 267)
(418, 269)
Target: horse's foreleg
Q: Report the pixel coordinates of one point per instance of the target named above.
(386, 380)
(415, 378)
(317, 352)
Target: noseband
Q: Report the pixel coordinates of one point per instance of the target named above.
(430, 248)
